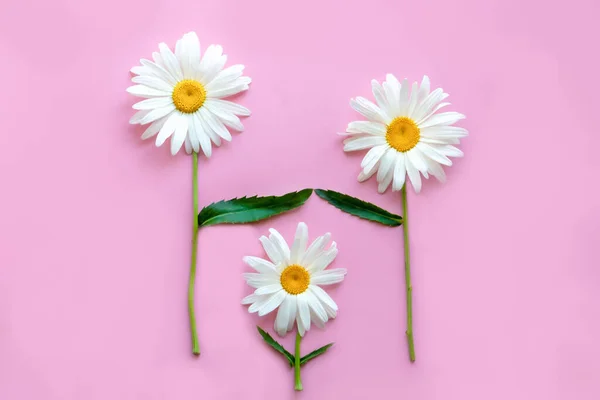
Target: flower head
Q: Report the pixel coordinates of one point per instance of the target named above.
(184, 96)
(404, 133)
(291, 280)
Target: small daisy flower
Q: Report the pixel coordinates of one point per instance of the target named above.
(184, 94)
(405, 133)
(291, 281)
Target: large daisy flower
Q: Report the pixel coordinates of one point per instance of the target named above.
(184, 96)
(405, 133)
(291, 281)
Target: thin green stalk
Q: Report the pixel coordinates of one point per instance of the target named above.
(297, 379)
(195, 345)
(409, 330)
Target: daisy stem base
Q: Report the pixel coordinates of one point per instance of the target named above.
(297, 378)
(409, 330)
(192, 282)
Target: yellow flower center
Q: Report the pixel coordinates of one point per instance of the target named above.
(402, 134)
(188, 96)
(295, 279)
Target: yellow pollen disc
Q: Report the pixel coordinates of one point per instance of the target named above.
(295, 279)
(402, 134)
(188, 96)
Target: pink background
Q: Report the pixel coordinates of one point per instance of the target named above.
(95, 224)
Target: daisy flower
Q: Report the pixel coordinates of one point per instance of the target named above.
(405, 133)
(184, 94)
(291, 281)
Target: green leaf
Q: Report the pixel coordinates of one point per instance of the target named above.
(359, 208)
(274, 344)
(315, 354)
(251, 209)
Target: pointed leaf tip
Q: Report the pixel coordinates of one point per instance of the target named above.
(245, 210)
(276, 346)
(359, 208)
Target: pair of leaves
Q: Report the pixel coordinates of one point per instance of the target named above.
(252, 209)
(289, 356)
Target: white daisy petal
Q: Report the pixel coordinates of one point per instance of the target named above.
(258, 302)
(212, 63)
(315, 305)
(404, 94)
(202, 136)
(368, 127)
(363, 176)
(315, 249)
(323, 260)
(386, 181)
(192, 48)
(168, 129)
(207, 129)
(170, 61)
(138, 117)
(428, 104)
(153, 83)
(436, 170)
(153, 128)
(368, 109)
(328, 277)
(158, 72)
(387, 162)
(379, 95)
(424, 89)
(413, 100)
(413, 175)
(453, 132)
(216, 125)
(363, 142)
(283, 316)
(192, 133)
(268, 289)
(293, 312)
(431, 152)
(157, 114)
(228, 90)
(260, 265)
(226, 77)
(303, 311)
(279, 242)
(251, 299)
(330, 307)
(179, 135)
(274, 302)
(146, 92)
(299, 245)
(150, 104)
(391, 88)
(227, 106)
(399, 173)
(417, 159)
(371, 160)
(228, 118)
(449, 151)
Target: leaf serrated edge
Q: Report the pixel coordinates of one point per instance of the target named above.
(301, 200)
(324, 194)
(315, 353)
(276, 346)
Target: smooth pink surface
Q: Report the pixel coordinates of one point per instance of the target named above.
(95, 224)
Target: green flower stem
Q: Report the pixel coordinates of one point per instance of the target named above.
(195, 345)
(297, 379)
(409, 330)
